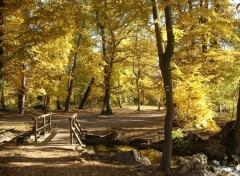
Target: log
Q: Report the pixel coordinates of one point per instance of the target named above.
(114, 138)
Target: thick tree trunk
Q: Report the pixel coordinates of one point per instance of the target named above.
(107, 108)
(86, 94)
(235, 149)
(167, 149)
(2, 102)
(165, 67)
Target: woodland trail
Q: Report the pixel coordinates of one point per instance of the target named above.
(48, 157)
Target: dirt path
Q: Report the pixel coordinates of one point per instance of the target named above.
(29, 160)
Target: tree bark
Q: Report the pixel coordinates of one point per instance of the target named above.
(58, 104)
(86, 94)
(70, 83)
(2, 102)
(3, 108)
(21, 102)
(235, 149)
(160, 102)
(22, 93)
(106, 109)
(46, 103)
(137, 72)
(138, 93)
(165, 67)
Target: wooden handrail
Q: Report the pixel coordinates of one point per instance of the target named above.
(75, 130)
(44, 126)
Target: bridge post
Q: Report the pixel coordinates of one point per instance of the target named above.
(36, 127)
(44, 123)
(50, 122)
(71, 131)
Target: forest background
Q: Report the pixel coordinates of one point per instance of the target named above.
(91, 54)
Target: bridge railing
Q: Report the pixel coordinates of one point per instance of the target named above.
(76, 130)
(42, 124)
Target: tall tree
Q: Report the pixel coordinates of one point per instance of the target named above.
(71, 71)
(165, 67)
(233, 144)
(114, 24)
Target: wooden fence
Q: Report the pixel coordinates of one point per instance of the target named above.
(42, 124)
(76, 130)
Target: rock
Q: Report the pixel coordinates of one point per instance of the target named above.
(131, 157)
(214, 150)
(222, 171)
(192, 165)
(215, 162)
(90, 152)
(238, 167)
(87, 152)
(145, 161)
(227, 129)
(5, 139)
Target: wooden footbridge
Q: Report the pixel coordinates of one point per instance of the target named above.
(45, 135)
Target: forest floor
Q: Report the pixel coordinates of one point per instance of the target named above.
(28, 159)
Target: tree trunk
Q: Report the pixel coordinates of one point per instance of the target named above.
(2, 102)
(138, 93)
(120, 101)
(58, 104)
(46, 103)
(160, 102)
(165, 67)
(3, 108)
(86, 94)
(70, 83)
(235, 149)
(21, 102)
(22, 93)
(107, 109)
(68, 99)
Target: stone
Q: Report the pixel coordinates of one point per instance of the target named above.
(238, 167)
(192, 165)
(214, 150)
(5, 139)
(145, 161)
(131, 157)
